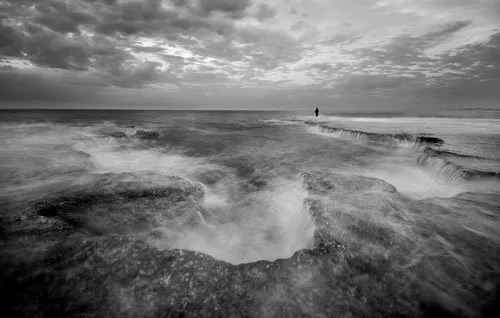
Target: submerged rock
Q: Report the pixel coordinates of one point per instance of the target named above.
(143, 134)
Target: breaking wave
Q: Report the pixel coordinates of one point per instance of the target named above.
(363, 136)
(451, 166)
(442, 164)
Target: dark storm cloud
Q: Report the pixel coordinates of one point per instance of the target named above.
(138, 17)
(49, 33)
(135, 17)
(47, 48)
(11, 41)
(151, 17)
(45, 43)
(61, 16)
(97, 39)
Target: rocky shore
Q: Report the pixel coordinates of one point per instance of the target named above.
(84, 252)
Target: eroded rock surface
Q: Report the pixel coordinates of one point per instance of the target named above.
(124, 203)
(98, 266)
(356, 210)
(427, 242)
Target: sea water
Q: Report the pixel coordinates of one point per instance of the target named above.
(249, 164)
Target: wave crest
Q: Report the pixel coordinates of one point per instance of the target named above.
(450, 166)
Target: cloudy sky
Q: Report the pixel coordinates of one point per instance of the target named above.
(250, 54)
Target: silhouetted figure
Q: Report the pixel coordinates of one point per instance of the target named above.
(316, 111)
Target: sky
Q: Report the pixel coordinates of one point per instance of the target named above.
(375, 55)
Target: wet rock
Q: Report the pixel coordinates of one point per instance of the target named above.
(430, 141)
(353, 269)
(124, 203)
(352, 210)
(117, 134)
(358, 135)
(116, 276)
(453, 166)
(149, 135)
(330, 183)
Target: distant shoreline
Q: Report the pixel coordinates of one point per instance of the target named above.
(473, 108)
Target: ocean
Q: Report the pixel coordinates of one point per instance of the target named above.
(414, 199)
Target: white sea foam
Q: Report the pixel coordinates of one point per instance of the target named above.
(418, 125)
(414, 181)
(267, 225)
(111, 155)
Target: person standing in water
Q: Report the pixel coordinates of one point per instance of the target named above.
(316, 111)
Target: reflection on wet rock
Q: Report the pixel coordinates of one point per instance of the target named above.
(143, 134)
